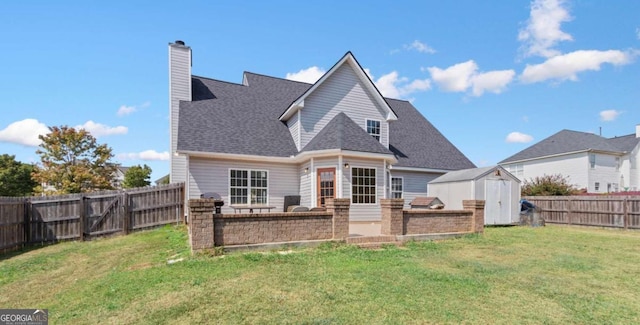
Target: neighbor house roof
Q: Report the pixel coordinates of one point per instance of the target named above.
(567, 141)
(223, 115)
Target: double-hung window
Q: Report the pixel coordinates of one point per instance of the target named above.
(373, 128)
(592, 160)
(396, 187)
(363, 185)
(248, 186)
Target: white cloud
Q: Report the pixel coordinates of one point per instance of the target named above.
(542, 31)
(145, 155)
(126, 110)
(462, 76)
(24, 132)
(517, 137)
(609, 115)
(492, 81)
(393, 86)
(309, 75)
(420, 47)
(566, 66)
(455, 78)
(98, 130)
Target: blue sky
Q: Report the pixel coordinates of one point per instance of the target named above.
(493, 76)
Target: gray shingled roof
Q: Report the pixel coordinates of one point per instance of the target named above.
(343, 133)
(571, 141)
(417, 143)
(233, 118)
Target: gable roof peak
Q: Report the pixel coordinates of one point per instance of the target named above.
(350, 59)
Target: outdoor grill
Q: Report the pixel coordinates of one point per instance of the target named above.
(217, 200)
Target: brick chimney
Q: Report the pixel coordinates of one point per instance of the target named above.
(179, 89)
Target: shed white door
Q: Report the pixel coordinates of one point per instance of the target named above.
(497, 207)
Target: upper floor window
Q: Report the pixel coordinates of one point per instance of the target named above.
(617, 163)
(373, 128)
(592, 160)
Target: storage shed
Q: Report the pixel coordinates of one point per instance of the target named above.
(499, 188)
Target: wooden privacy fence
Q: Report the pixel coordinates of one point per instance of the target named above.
(601, 211)
(84, 216)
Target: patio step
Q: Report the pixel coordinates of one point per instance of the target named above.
(373, 242)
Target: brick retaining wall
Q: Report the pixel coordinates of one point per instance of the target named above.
(207, 230)
(399, 222)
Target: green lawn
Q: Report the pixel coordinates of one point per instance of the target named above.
(518, 275)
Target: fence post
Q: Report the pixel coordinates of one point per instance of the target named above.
(27, 221)
(83, 216)
(125, 211)
(569, 209)
(625, 213)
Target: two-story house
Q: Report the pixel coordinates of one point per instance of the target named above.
(589, 161)
(255, 142)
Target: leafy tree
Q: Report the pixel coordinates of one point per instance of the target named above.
(15, 177)
(73, 162)
(137, 176)
(548, 185)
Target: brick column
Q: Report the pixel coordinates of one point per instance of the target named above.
(477, 207)
(340, 210)
(201, 224)
(392, 217)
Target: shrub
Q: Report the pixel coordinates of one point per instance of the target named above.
(548, 185)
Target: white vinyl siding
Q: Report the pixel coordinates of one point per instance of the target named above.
(294, 129)
(212, 175)
(414, 184)
(573, 166)
(342, 92)
(179, 89)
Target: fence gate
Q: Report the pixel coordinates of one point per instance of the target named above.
(104, 214)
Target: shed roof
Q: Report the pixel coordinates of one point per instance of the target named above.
(470, 174)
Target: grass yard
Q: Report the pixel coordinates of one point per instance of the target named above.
(555, 275)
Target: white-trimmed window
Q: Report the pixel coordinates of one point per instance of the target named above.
(373, 128)
(363, 185)
(597, 186)
(248, 186)
(517, 170)
(617, 164)
(396, 187)
(592, 160)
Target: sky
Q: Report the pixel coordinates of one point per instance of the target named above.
(493, 76)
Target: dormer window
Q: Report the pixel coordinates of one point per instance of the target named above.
(373, 128)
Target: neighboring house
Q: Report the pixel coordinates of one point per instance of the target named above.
(162, 180)
(590, 162)
(118, 177)
(256, 142)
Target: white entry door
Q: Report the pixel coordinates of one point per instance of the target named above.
(497, 209)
